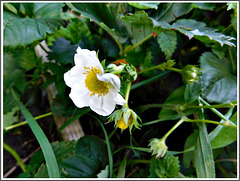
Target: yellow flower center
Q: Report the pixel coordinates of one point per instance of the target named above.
(94, 85)
(121, 123)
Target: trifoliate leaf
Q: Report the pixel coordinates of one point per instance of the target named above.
(167, 167)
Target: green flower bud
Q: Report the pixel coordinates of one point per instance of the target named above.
(190, 74)
(125, 118)
(129, 73)
(158, 147)
(112, 68)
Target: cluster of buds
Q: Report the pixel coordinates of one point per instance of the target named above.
(125, 118)
(158, 147)
(190, 74)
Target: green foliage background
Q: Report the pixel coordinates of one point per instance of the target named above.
(145, 35)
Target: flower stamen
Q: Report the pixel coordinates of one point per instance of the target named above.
(94, 85)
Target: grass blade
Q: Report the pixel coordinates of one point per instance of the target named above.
(51, 162)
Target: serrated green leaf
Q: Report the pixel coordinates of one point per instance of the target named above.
(167, 41)
(90, 158)
(168, 167)
(175, 98)
(74, 31)
(23, 31)
(222, 136)
(104, 173)
(42, 172)
(204, 162)
(170, 11)
(139, 26)
(198, 30)
(145, 5)
(9, 118)
(219, 84)
(26, 58)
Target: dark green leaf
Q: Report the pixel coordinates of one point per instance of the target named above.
(204, 162)
(167, 41)
(62, 51)
(23, 31)
(219, 85)
(193, 91)
(105, 16)
(12, 76)
(176, 98)
(139, 26)
(170, 11)
(47, 10)
(168, 167)
(222, 136)
(145, 5)
(90, 158)
(29, 7)
(205, 6)
(188, 157)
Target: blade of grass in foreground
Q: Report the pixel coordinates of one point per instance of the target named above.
(51, 162)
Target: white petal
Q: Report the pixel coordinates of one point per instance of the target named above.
(80, 97)
(75, 75)
(108, 103)
(86, 58)
(111, 78)
(103, 105)
(119, 100)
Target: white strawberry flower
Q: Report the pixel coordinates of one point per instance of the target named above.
(90, 86)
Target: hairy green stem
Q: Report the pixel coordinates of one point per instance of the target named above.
(230, 104)
(231, 58)
(159, 67)
(214, 110)
(138, 161)
(213, 122)
(15, 155)
(134, 46)
(127, 94)
(25, 122)
(173, 128)
(44, 49)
